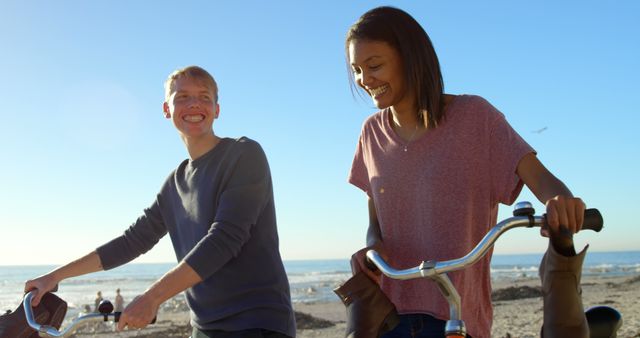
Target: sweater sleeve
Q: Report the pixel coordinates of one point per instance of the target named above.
(136, 240)
(241, 202)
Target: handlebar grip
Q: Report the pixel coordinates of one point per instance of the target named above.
(116, 318)
(592, 220)
(369, 264)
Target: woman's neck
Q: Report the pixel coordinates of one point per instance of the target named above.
(406, 123)
(404, 116)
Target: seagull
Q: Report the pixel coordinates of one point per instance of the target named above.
(539, 130)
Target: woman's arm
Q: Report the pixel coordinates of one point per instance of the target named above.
(374, 237)
(374, 241)
(565, 212)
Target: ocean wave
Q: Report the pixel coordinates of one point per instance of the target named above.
(103, 281)
(318, 277)
(514, 269)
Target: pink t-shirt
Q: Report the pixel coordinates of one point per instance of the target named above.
(439, 198)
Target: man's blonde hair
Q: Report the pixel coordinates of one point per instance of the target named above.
(193, 72)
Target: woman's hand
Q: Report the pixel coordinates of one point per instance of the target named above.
(40, 286)
(368, 267)
(564, 218)
(567, 212)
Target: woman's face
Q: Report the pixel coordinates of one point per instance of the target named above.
(377, 68)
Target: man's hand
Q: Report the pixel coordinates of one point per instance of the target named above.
(40, 286)
(49, 282)
(139, 313)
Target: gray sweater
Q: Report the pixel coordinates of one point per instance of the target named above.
(220, 214)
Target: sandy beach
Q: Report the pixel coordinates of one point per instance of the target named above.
(519, 317)
(513, 317)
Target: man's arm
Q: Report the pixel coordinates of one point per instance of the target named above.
(141, 311)
(139, 238)
(45, 283)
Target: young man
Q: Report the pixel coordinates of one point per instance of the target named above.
(218, 208)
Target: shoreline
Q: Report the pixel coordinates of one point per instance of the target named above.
(512, 317)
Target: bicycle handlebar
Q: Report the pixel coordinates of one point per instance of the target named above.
(50, 331)
(592, 221)
(437, 271)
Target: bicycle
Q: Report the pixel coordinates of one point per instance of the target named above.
(105, 314)
(603, 321)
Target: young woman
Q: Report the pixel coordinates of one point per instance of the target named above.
(434, 167)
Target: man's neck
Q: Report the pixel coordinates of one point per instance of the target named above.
(196, 147)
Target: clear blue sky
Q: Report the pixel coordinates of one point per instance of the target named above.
(84, 146)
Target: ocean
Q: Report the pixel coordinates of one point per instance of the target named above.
(310, 280)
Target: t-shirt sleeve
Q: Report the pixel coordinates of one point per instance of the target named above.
(359, 175)
(243, 199)
(139, 238)
(507, 148)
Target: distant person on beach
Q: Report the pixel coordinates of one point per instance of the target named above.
(434, 167)
(119, 306)
(218, 208)
(97, 301)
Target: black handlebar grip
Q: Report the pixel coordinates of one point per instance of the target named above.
(592, 220)
(116, 317)
(369, 264)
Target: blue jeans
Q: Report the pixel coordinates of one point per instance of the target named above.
(417, 325)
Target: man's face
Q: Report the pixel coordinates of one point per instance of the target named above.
(192, 108)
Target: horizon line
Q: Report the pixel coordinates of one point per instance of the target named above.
(314, 259)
